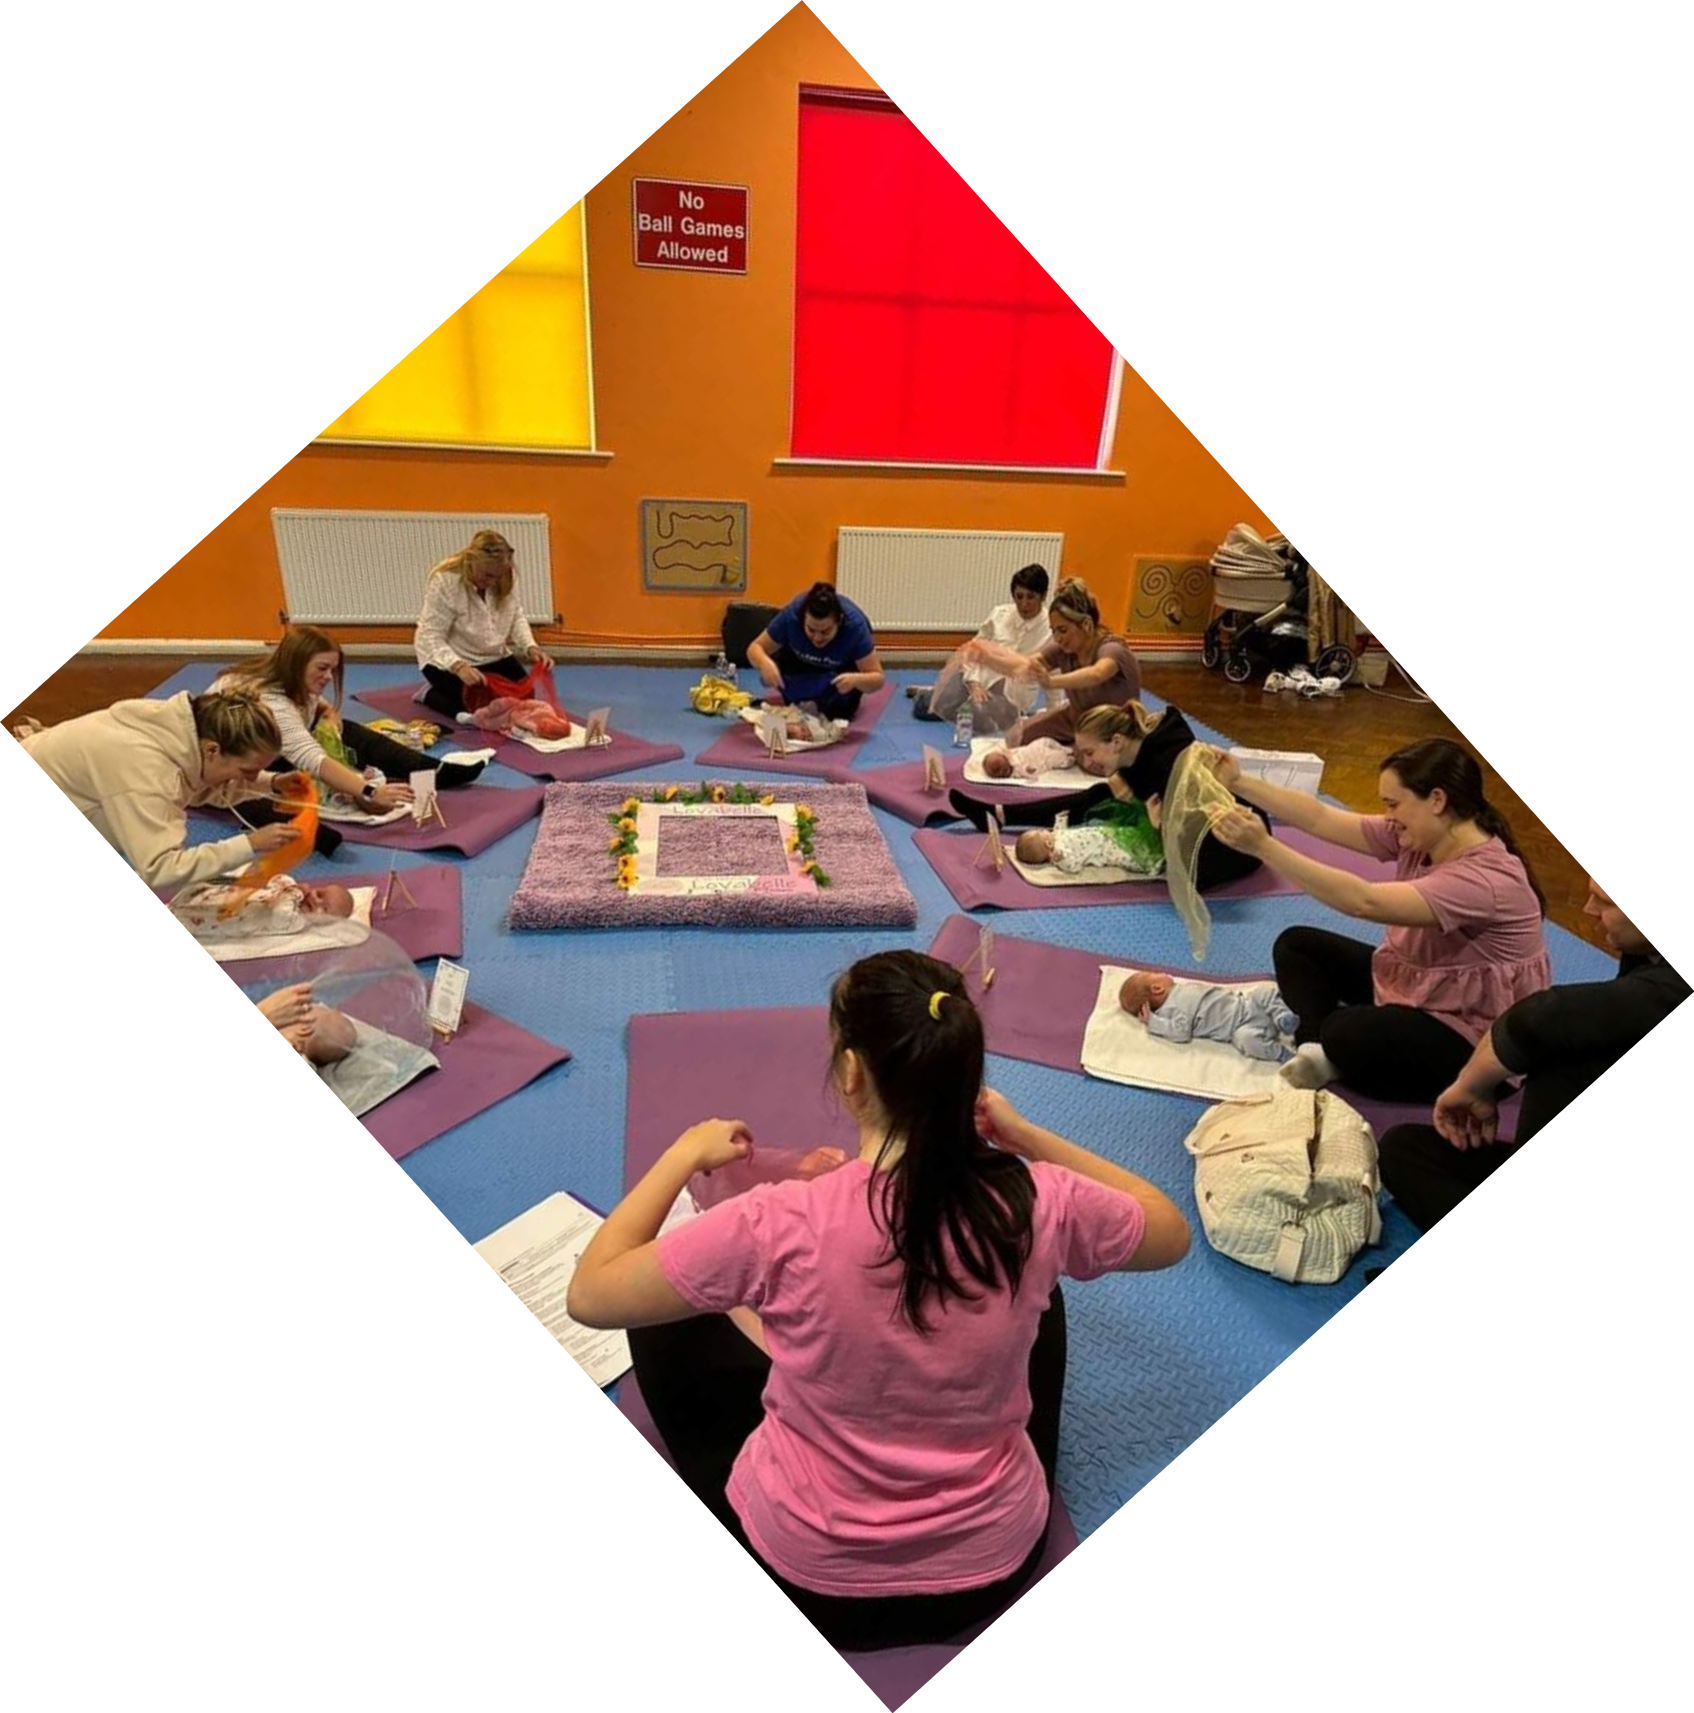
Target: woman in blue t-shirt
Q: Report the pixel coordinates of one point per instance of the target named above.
(818, 649)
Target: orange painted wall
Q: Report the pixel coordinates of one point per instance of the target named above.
(691, 376)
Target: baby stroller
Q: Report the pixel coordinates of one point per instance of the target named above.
(1261, 591)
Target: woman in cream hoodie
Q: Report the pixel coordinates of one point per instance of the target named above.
(134, 768)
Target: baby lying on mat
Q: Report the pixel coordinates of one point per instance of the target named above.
(316, 1032)
(1115, 835)
(280, 907)
(1044, 755)
(1253, 1019)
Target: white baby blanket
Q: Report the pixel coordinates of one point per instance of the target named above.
(1118, 1048)
(1054, 779)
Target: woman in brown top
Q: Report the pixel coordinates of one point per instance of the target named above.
(1088, 663)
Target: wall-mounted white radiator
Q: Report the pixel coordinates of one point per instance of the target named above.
(368, 568)
(936, 579)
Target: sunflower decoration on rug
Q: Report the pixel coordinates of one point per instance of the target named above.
(799, 843)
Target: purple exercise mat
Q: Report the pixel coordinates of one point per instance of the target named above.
(1043, 995)
(487, 1060)
(953, 856)
(740, 749)
(625, 751)
(900, 790)
(477, 816)
(767, 1067)
(435, 929)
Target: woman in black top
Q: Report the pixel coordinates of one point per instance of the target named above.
(1138, 751)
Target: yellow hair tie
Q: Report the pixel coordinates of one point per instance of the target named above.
(935, 1000)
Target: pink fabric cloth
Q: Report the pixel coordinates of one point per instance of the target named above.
(1488, 950)
(888, 1462)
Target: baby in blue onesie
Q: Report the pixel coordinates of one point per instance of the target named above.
(1252, 1018)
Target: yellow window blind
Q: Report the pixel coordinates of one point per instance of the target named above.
(511, 368)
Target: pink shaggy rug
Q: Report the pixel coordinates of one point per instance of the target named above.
(571, 878)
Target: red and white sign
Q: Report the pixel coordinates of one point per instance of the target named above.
(698, 227)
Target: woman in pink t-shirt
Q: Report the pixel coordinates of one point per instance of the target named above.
(1463, 912)
(878, 1424)
(1086, 661)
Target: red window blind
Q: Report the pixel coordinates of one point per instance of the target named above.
(923, 330)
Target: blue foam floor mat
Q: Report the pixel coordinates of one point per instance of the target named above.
(1155, 1359)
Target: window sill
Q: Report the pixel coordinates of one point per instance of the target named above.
(891, 466)
(592, 454)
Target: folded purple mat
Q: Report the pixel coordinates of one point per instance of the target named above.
(487, 1060)
(623, 752)
(952, 855)
(767, 1067)
(900, 790)
(477, 817)
(434, 929)
(1043, 995)
(740, 748)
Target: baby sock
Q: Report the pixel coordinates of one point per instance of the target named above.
(1309, 1068)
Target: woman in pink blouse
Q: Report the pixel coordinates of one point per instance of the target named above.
(1463, 912)
(860, 1373)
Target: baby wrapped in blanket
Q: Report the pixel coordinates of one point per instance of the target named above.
(1252, 1018)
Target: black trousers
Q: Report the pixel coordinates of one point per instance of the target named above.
(1388, 1052)
(446, 692)
(1428, 1176)
(703, 1384)
(1216, 864)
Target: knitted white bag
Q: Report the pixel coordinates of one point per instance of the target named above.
(1286, 1182)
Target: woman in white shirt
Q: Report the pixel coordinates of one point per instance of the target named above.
(473, 624)
(979, 675)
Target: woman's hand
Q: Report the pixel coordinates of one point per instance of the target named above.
(540, 657)
(1155, 807)
(1041, 672)
(328, 714)
(467, 674)
(1466, 1120)
(1241, 830)
(388, 795)
(999, 1122)
(717, 1142)
(271, 838)
(978, 694)
(289, 1008)
(1224, 766)
(845, 681)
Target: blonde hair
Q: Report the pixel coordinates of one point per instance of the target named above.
(1074, 600)
(284, 668)
(237, 722)
(485, 546)
(1107, 724)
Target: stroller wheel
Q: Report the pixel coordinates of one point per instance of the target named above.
(1211, 650)
(1337, 661)
(1237, 668)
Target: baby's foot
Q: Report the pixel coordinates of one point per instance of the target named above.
(1309, 1068)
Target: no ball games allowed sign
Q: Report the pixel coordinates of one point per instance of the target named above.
(699, 227)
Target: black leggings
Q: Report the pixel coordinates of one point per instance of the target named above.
(446, 692)
(1216, 864)
(1387, 1052)
(703, 1383)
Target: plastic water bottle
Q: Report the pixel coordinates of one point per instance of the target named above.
(721, 667)
(964, 726)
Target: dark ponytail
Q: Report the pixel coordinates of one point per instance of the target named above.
(1435, 764)
(949, 1196)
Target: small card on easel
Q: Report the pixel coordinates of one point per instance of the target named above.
(934, 771)
(991, 846)
(772, 732)
(447, 998)
(385, 905)
(594, 731)
(425, 803)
